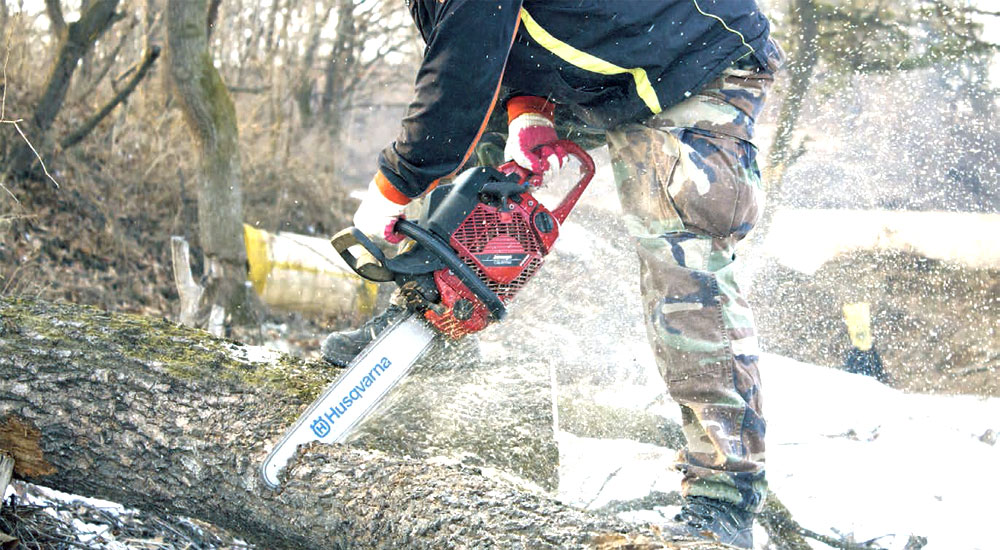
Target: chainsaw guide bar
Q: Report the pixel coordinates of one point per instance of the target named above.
(347, 402)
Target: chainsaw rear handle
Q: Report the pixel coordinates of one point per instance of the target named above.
(587, 171)
(371, 266)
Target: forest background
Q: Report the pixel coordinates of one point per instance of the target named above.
(126, 122)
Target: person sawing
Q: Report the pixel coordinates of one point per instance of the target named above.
(673, 87)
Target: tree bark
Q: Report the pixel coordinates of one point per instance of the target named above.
(77, 39)
(162, 417)
(53, 9)
(800, 68)
(211, 119)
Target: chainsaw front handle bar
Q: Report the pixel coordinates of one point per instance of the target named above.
(374, 266)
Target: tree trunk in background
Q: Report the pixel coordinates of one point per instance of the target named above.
(338, 65)
(76, 40)
(211, 119)
(165, 418)
(213, 16)
(303, 88)
(802, 61)
(272, 24)
(53, 9)
(801, 64)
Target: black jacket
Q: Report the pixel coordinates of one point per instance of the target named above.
(610, 61)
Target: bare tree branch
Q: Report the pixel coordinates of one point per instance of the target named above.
(109, 61)
(78, 39)
(77, 135)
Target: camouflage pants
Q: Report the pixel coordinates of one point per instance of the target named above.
(690, 190)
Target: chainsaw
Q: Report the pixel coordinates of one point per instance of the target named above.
(477, 243)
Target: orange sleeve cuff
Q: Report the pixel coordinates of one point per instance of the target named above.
(388, 191)
(517, 106)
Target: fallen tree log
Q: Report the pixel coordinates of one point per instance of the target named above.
(166, 418)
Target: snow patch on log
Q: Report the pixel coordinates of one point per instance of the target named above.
(255, 354)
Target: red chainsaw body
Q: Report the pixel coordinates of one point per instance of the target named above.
(504, 245)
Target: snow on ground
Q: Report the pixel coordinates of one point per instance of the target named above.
(88, 535)
(846, 454)
(801, 238)
(845, 451)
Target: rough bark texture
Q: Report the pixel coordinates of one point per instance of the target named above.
(162, 417)
(211, 118)
(76, 40)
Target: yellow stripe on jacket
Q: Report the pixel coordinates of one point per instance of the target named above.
(589, 62)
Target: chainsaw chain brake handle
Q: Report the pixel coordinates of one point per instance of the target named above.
(371, 266)
(587, 170)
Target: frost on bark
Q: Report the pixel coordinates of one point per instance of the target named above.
(161, 417)
(211, 119)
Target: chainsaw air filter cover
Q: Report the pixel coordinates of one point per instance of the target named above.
(500, 231)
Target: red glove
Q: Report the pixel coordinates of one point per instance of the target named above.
(531, 135)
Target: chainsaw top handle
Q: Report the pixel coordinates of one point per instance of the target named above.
(587, 170)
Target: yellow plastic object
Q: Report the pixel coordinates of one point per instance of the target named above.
(295, 272)
(858, 317)
(257, 256)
